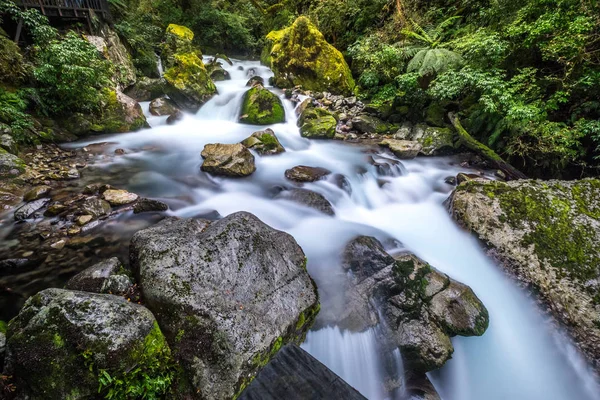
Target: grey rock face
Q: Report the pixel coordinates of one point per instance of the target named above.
(435, 141)
(162, 106)
(149, 205)
(29, 209)
(61, 339)
(293, 374)
(104, 277)
(403, 149)
(228, 295)
(308, 198)
(302, 173)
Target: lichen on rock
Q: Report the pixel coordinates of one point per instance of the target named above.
(545, 234)
(300, 55)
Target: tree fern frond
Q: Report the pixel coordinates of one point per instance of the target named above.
(416, 62)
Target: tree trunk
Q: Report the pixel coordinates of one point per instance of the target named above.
(470, 143)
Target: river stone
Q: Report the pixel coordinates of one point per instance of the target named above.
(403, 149)
(264, 143)
(545, 234)
(162, 106)
(149, 205)
(37, 193)
(175, 117)
(119, 197)
(93, 278)
(29, 209)
(228, 294)
(293, 374)
(146, 89)
(308, 198)
(62, 339)
(370, 124)
(435, 141)
(10, 165)
(255, 80)
(316, 123)
(11, 194)
(421, 307)
(260, 106)
(302, 173)
(228, 159)
(95, 207)
(9, 144)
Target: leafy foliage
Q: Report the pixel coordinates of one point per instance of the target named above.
(71, 75)
(13, 107)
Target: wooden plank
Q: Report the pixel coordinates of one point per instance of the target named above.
(19, 27)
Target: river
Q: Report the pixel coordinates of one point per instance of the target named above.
(521, 356)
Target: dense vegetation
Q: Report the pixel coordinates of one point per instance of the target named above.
(523, 76)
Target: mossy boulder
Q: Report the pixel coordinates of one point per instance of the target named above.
(260, 106)
(162, 106)
(178, 39)
(64, 344)
(317, 123)
(12, 68)
(264, 143)
(10, 165)
(104, 277)
(300, 55)
(369, 124)
(146, 89)
(229, 295)
(188, 83)
(120, 114)
(545, 234)
(217, 72)
(436, 141)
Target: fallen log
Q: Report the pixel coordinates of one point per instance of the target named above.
(479, 148)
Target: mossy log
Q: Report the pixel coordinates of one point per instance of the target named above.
(474, 145)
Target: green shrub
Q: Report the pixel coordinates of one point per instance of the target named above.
(70, 75)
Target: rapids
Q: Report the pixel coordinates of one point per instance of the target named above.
(521, 356)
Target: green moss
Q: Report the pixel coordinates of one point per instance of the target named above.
(300, 55)
(181, 31)
(317, 123)
(261, 107)
(269, 141)
(3, 327)
(188, 83)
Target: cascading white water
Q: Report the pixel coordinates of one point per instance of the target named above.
(519, 357)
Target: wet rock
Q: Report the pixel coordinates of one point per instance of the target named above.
(119, 152)
(435, 141)
(175, 117)
(15, 266)
(10, 165)
(255, 80)
(403, 149)
(146, 89)
(83, 219)
(308, 198)
(149, 205)
(228, 294)
(422, 307)
(8, 143)
(55, 209)
(105, 277)
(302, 173)
(62, 339)
(37, 193)
(300, 56)
(260, 106)
(217, 72)
(11, 194)
(317, 123)
(450, 180)
(119, 197)
(293, 374)
(370, 124)
(162, 106)
(95, 207)
(463, 177)
(545, 234)
(228, 159)
(264, 143)
(29, 209)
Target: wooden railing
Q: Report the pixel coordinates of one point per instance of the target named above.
(68, 8)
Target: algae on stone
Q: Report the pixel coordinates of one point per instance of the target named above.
(317, 123)
(188, 83)
(300, 55)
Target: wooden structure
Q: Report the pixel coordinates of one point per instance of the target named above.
(66, 9)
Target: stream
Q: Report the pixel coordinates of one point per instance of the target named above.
(521, 356)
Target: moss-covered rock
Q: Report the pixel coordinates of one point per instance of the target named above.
(300, 55)
(12, 69)
(370, 124)
(217, 72)
(75, 345)
(146, 89)
(188, 83)
(178, 39)
(317, 123)
(435, 141)
(260, 106)
(545, 234)
(264, 143)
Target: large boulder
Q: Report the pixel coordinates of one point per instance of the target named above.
(146, 89)
(403, 149)
(296, 375)
(178, 39)
(188, 83)
(75, 345)
(435, 141)
(421, 306)
(545, 234)
(260, 106)
(162, 106)
(228, 294)
(369, 124)
(316, 123)
(109, 45)
(264, 143)
(300, 55)
(228, 159)
(120, 114)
